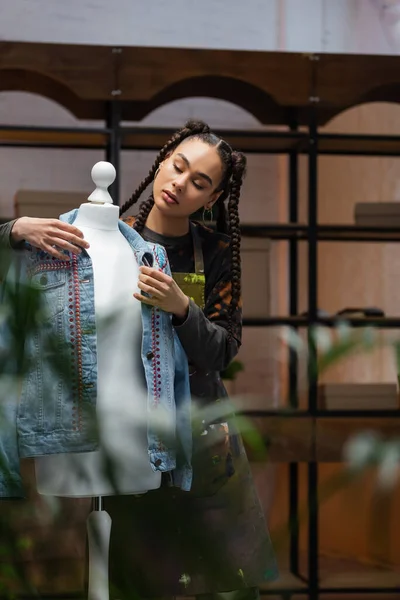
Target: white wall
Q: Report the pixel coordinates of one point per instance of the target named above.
(360, 26)
(209, 23)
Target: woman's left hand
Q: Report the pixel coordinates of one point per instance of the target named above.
(163, 291)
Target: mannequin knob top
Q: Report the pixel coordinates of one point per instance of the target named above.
(103, 174)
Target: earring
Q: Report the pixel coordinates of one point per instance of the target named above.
(209, 215)
(157, 172)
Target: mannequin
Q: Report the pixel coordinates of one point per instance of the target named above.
(121, 401)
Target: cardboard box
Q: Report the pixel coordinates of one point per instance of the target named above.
(358, 396)
(47, 204)
(377, 214)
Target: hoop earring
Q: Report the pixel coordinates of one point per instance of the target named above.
(210, 215)
(157, 172)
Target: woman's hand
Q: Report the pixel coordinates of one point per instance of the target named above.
(163, 291)
(49, 235)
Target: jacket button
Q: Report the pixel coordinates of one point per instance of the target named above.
(150, 355)
(43, 280)
(158, 462)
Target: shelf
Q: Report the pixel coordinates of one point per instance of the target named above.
(286, 582)
(304, 438)
(321, 413)
(360, 145)
(350, 576)
(328, 233)
(357, 233)
(355, 578)
(143, 138)
(331, 434)
(275, 231)
(275, 142)
(334, 321)
(374, 579)
(258, 142)
(152, 139)
(45, 137)
(286, 439)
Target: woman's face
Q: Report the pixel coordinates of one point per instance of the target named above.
(187, 179)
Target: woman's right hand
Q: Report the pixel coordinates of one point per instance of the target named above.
(50, 235)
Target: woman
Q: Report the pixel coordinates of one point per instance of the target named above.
(195, 170)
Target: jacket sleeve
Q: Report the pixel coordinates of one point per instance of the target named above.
(205, 334)
(6, 246)
(5, 236)
(10, 476)
(10, 334)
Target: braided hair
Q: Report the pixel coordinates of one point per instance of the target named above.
(234, 168)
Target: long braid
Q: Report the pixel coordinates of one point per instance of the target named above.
(238, 173)
(222, 220)
(191, 128)
(143, 213)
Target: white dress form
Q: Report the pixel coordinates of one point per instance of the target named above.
(121, 405)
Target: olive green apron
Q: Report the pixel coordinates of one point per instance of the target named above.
(212, 456)
(193, 284)
(205, 386)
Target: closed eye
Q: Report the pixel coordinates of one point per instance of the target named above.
(196, 185)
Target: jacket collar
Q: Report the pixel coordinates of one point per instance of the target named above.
(139, 246)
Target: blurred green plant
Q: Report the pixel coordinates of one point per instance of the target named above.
(232, 370)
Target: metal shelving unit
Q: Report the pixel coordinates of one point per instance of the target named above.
(315, 145)
(114, 138)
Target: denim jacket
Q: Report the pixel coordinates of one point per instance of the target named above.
(54, 414)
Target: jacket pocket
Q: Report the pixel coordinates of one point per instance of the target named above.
(50, 281)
